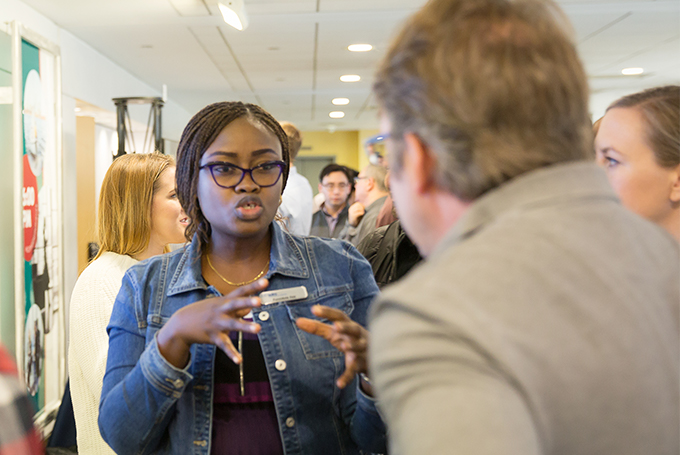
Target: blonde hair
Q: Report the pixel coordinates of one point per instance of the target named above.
(495, 88)
(660, 109)
(124, 216)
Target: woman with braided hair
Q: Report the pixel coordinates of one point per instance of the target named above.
(224, 346)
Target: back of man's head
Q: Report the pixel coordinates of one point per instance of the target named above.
(494, 87)
(378, 174)
(294, 139)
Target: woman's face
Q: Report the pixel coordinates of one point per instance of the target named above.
(247, 209)
(642, 185)
(168, 220)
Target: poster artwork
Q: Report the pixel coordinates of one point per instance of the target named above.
(38, 218)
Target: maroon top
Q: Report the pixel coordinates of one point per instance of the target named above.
(244, 425)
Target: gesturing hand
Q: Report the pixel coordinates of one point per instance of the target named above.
(345, 335)
(210, 321)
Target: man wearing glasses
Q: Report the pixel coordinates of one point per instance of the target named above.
(336, 186)
(544, 319)
(370, 193)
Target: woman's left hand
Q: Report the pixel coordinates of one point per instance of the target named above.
(345, 335)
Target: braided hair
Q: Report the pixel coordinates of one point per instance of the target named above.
(198, 135)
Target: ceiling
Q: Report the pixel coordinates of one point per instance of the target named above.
(291, 56)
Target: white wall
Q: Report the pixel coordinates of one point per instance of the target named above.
(87, 76)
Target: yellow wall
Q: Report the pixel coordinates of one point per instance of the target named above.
(87, 214)
(340, 144)
(363, 135)
(346, 146)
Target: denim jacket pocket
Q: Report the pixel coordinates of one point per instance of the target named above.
(154, 323)
(313, 346)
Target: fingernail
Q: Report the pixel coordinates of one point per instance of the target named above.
(262, 281)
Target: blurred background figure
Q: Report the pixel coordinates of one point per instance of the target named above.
(17, 434)
(296, 201)
(139, 216)
(336, 185)
(370, 195)
(638, 144)
(390, 252)
(388, 249)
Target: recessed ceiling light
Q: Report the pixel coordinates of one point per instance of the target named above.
(77, 109)
(359, 47)
(632, 71)
(350, 78)
(340, 101)
(336, 114)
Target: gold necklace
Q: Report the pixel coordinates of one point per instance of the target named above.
(266, 266)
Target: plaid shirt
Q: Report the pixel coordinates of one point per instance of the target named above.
(17, 435)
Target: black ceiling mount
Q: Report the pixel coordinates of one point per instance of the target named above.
(123, 128)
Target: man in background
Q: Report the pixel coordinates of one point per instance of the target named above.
(544, 319)
(370, 194)
(296, 205)
(336, 184)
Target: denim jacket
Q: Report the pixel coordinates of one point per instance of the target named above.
(149, 406)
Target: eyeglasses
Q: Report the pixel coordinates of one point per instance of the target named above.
(356, 179)
(228, 175)
(332, 186)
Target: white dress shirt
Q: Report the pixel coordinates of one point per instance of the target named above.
(296, 208)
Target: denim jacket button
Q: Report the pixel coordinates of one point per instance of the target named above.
(280, 365)
(178, 383)
(264, 315)
(290, 422)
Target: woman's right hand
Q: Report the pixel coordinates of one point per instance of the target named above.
(210, 321)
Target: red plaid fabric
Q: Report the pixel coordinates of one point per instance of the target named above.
(17, 434)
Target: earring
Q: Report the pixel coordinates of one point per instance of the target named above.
(280, 200)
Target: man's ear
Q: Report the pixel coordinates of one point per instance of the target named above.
(370, 184)
(320, 187)
(675, 187)
(419, 162)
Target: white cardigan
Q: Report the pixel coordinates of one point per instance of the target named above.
(90, 311)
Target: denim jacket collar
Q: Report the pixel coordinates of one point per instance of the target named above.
(285, 259)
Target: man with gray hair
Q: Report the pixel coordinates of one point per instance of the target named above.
(370, 193)
(545, 319)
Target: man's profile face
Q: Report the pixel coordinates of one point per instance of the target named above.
(403, 196)
(336, 188)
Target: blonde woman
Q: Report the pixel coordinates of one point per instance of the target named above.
(139, 215)
(638, 144)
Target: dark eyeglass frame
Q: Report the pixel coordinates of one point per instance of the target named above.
(281, 165)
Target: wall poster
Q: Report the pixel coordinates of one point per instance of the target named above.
(39, 241)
